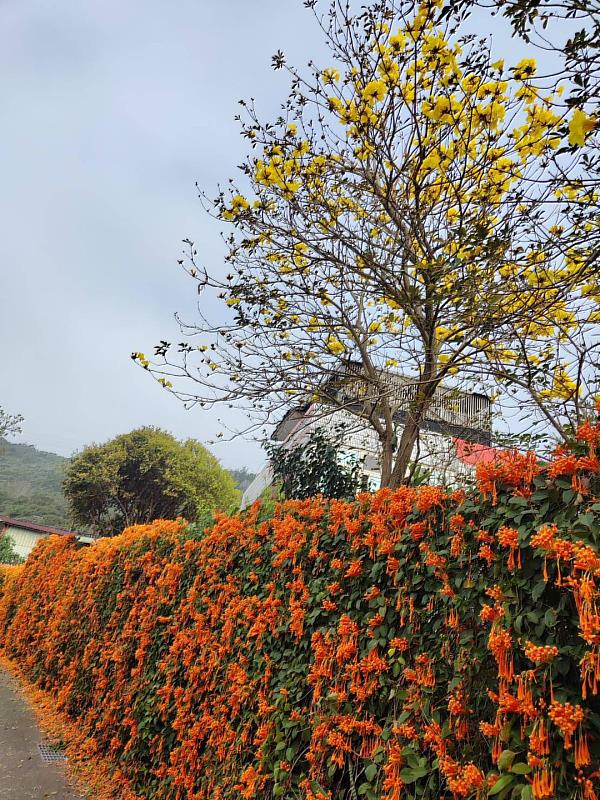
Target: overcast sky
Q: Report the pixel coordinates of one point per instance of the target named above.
(111, 111)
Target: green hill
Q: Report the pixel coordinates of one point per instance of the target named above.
(31, 479)
(30, 484)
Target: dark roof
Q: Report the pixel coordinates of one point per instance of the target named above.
(34, 526)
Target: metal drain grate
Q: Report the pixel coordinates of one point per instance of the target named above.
(49, 754)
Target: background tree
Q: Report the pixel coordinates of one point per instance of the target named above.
(145, 475)
(242, 477)
(8, 554)
(316, 466)
(416, 207)
(9, 423)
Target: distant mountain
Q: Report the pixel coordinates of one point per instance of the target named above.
(30, 484)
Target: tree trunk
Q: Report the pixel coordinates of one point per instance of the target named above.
(387, 459)
(404, 453)
(410, 432)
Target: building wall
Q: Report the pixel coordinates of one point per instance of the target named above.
(437, 452)
(23, 540)
(254, 490)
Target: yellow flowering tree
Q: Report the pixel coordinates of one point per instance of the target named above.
(416, 208)
(568, 29)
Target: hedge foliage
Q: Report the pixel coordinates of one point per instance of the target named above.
(411, 644)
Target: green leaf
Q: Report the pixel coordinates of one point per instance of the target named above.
(412, 774)
(550, 618)
(506, 759)
(518, 501)
(371, 772)
(520, 769)
(502, 783)
(538, 590)
(585, 521)
(518, 624)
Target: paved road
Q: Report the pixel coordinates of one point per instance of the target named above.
(23, 774)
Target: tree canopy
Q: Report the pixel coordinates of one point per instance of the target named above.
(316, 466)
(419, 206)
(144, 475)
(569, 28)
(8, 554)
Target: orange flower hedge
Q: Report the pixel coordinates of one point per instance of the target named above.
(412, 644)
(8, 574)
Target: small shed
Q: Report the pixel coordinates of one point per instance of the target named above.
(26, 535)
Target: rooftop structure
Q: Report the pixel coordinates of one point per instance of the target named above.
(26, 535)
(455, 434)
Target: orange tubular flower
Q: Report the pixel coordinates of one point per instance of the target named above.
(417, 531)
(392, 566)
(582, 753)
(542, 786)
(372, 593)
(500, 644)
(489, 729)
(487, 554)
(473, 775)
(589, 433)
(393, 786)
(563, 465)
(354, 570)
(347, 629)
(567, 718)
(511, 469)
(457, 544)
(406, 731)
(491, 613)
(544, 538)
(457, 523)
(509, 537)
(374, 622)
(590, 672)
(452, 620)
(496, 593)
(539, 742)
(429, 497)
(540, 654)
(588, 789)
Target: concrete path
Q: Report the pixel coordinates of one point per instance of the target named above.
(23, 773)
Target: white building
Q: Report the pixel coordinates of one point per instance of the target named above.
(455, 435)
(25, 535)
